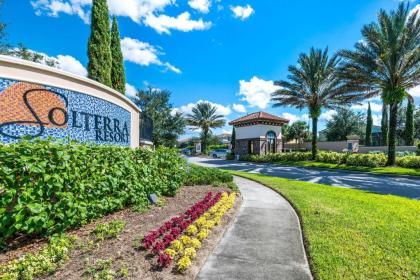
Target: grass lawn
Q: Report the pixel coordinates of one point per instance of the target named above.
(354, 234)
(379, 170)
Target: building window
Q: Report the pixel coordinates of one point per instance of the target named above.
(250, 147)
(271, 142)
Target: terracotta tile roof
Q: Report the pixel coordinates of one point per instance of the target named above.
(259, 116)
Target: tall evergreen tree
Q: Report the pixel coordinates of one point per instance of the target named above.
(409, 124)
(369, 123)
(233, 139)
(99, 50)
(117, 70)
(384, 125)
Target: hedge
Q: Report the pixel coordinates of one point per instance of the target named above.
(368, 160)
(198, 175)
(47, 186)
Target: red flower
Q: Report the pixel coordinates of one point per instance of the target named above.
(164, 260)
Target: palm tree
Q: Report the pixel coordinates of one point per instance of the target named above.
(386, 63)
(204, 117)
(312, 84)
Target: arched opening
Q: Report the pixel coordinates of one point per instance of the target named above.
(271, 142)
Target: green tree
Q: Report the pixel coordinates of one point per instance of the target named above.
(3, 42)
(298, 131)
(346, 122)
(409, 124)
(117, 71)
(369, 124)
(167, 126)
(204, 117)
(417, 124)
(386, 63)
(99, 46)
(233, 139)
(384, 125)
(312, 84)
(23, 52)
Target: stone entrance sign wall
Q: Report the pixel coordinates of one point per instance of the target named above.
(40, 101)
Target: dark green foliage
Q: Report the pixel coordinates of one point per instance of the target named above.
(117, 71)
(233, 139)
(384, 125)
(198, 175)
(23, 52)
(204, 117)
(99, 50)
(346, 122)
(368, 160)
(3, 43)
(298, 131)
(218, 146)
(409, 124)
(369, 124)
(166, 126)
(313, 84)
(48, 187)
(385, 63)
(417, 124)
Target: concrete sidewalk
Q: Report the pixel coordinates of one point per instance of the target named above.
(264, 242)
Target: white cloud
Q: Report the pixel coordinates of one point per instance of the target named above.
(144, 54)
(72, 65)
(130, 90)
(239, 108)
(147, 12)
(415, 9)
(377, 119)
(328, 115)
(242, 12)
(64, 62)
(200, 5)
(220, 109)
(415, 92)
(257, 92)
(364, 106)
(293, 118)
(183, 22)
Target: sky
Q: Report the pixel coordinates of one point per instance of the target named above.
(225, 52)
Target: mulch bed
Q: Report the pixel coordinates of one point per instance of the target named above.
(122, 250)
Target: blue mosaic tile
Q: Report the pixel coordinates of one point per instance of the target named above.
(89, 119)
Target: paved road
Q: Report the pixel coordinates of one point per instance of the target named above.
(383, 184)
(264, 242)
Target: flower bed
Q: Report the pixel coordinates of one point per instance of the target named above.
(179, 238)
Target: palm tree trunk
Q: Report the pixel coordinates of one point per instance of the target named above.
(392, 133)
(314, 137)
(204, 144)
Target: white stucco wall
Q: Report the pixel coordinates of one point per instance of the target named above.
(256, 131)
(21, 70)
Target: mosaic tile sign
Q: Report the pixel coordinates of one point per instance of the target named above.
(34, 110)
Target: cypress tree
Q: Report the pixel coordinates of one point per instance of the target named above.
(99, 50)
(369, 123)
(117, 70)
(409, 124)
(233, 139)
(384, 125)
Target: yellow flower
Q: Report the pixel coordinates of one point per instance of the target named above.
(195, 243)
(183, 263)
(203, 234)
(177, 246)
(185, 239)
(171, 252)
(200, 221)
(190, 253)
(192, 230)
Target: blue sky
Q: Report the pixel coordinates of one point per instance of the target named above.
(225, 52)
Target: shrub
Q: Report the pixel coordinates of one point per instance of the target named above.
(369, 160)
(295, 156)
(48, 186)
(198, 175)
(409, 161)
(332, 157)
(31, 266)
(108, 230)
